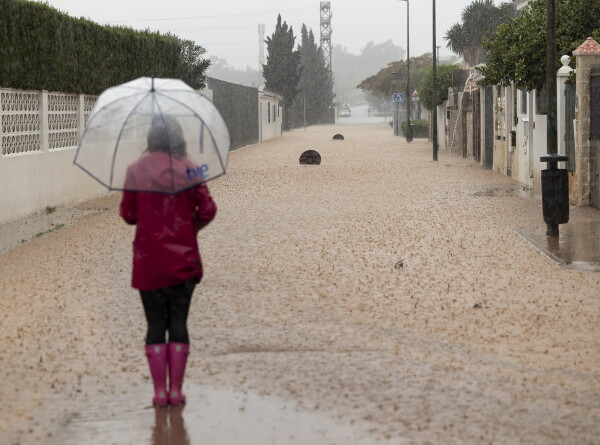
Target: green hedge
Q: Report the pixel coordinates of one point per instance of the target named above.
(420, 128)
(42, 48)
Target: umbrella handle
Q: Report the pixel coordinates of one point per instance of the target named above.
(152, 89)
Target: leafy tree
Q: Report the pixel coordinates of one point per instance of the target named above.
(393, 78)
(479, 19)
(282, 70)
(350, 69)
(315, 85)
(517, 51)
(193, 65)
(443, 79)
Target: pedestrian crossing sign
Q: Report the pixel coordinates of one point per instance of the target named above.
(398, 98)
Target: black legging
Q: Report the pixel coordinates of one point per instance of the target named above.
(167, 310)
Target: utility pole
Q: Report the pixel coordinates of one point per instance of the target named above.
(552, 142)
(434, 132)
(409, 133)
(261, 52)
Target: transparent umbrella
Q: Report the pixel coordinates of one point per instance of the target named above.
(153, 135)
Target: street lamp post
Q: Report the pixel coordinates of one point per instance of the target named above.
(409, 132)
(555, 182)
(396, 111)
(434, 135)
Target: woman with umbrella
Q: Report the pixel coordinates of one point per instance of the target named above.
(166, 259)
(159, 141)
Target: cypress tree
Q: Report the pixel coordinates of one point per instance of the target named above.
(282, 70)
(316, 83)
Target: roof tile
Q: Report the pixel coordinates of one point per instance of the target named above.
(588, 48)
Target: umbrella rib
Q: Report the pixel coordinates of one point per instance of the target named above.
(201, 120)
(91, 119)
(202, 138)
(112, 165)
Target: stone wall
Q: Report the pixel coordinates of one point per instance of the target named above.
(588, 58)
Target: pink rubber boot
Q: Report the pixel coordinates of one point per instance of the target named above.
(157, 360)
(177, 357)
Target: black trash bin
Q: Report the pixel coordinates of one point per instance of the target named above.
(555, 190)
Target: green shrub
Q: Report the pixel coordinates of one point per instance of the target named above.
(420, 128)
(42, 48)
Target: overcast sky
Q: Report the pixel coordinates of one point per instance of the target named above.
(229, 28)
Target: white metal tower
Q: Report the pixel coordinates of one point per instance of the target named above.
(326, 32)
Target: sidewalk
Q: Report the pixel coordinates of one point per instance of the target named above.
(392, 297)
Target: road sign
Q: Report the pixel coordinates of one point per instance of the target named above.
(398, 98)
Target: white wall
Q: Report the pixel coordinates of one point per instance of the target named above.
(33, 181)
(442, 124)
(271, 115)
(38, 139)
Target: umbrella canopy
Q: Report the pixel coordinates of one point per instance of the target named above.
(153, 135)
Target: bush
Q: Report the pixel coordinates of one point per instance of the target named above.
(42, 48)
(420, 128)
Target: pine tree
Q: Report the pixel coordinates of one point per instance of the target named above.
(282, 70)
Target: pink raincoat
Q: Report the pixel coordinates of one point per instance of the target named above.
(165, 248)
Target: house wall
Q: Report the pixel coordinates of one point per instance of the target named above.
(540, 147)
(470, 134)
(270, 117)
(500, 133)
(443, 125)
(512, 163)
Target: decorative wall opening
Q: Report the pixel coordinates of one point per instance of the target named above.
(20, 116)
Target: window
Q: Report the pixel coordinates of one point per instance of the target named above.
(268, 113)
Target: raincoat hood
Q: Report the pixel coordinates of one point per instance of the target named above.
(164, 173)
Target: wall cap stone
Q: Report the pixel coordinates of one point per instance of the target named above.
(588, 48)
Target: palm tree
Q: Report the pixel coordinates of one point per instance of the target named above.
(479, 20)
